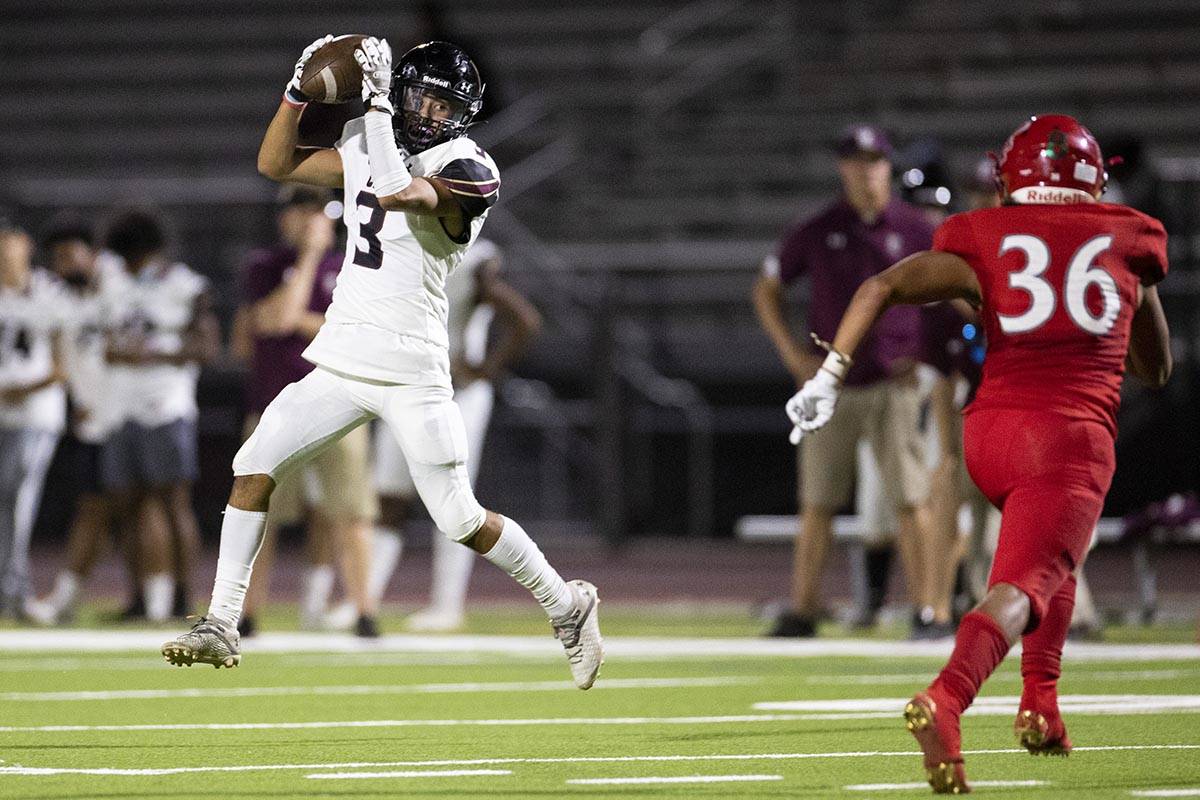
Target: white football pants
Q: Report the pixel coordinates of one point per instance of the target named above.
(425, 422)
(475, 402)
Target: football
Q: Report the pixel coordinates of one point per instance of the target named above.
(331, 74)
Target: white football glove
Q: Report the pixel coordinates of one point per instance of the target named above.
(812, 406)
(292, 92)
(374, 56)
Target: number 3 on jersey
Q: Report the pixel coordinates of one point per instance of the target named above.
(1080, 275)
(368, 252)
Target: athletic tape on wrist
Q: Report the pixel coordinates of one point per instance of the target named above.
(835, 366)
(388, 172)
(838, 364)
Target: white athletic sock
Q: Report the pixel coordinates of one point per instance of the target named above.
(159, 591)
(516, 554)
(386, 547)
(241, 537)
(65, 591)
(452, 565)
(318, 586)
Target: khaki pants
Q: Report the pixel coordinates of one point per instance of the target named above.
(887, 415)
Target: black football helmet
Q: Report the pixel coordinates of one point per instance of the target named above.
(445, 71)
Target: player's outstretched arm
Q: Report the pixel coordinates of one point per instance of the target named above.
(1150, 342)
(926, 277)
(921, 278)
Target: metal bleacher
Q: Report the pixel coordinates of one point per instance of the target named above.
(652, 153)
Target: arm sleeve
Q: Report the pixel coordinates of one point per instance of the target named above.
(1149, 258)
(474, 185)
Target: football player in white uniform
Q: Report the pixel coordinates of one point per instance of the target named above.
(476, 294)
(33, 404)
(383, 350)
(70, 252)
(162, 329)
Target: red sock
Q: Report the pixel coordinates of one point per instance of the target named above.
(1041, 651)
(979, 648)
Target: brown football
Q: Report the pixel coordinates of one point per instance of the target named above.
(331, 74)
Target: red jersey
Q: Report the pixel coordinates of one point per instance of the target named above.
(1060, 286)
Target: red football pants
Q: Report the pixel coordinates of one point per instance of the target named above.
(1048, 475)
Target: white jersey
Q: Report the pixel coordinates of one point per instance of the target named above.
(85, 340)
(469, 320)
(30, 321)
(388, 318)
(157, 306)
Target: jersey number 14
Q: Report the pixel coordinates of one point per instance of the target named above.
(1081, 274)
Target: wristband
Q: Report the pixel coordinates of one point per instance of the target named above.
(293, 98)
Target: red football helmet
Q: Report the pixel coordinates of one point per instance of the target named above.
(1051, 159)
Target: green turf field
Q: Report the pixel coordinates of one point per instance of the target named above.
(393, 722)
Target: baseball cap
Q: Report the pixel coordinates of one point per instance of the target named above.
(864, 139)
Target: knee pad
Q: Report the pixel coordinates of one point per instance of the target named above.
(461, 523)
(446, 492)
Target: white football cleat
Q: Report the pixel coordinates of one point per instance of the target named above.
(208, 642)
(434, 620)
(579, 632)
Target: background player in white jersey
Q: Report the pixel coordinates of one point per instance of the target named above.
(477, 295)
(382, 351)
(163, 330)
(69, 249)
(33, 404)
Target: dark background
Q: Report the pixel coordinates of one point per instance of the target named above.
(651, 153)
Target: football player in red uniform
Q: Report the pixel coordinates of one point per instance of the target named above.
(1065, 286)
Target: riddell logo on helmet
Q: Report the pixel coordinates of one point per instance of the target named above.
(1051, 195)
(445, 84)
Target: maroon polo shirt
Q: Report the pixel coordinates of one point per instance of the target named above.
(277, 360)
(837, 251)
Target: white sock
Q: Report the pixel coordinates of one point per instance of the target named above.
(159, 591)
(515, 553)
(452, 565)
(65, 591)
(318, 586)
(386, 547)
(241, 537)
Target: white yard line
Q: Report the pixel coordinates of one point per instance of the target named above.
(993, 706)
(920, 678)
(442, 773)
(436, 723)
(334, 660)
(1166, 793)
(924, 786)
(631, 647)
(808, 710)
(371, 689)
(484, 762)
(675, 779)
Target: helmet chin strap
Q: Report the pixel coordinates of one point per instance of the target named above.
(1051, 195)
